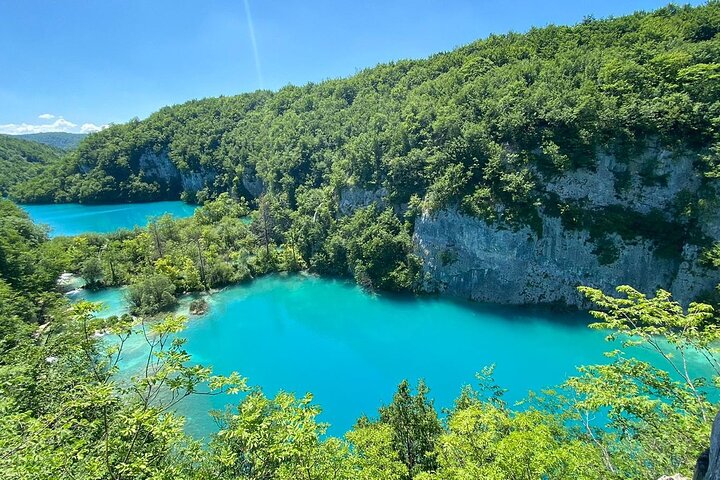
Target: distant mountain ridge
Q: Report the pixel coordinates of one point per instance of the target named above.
(62, 140)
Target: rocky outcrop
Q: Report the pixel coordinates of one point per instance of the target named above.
(253, 184)
(467, 257)
(196, 180)
(354, 198)
(651, 180)
(199, 306)
(159, 166)
(708, 466)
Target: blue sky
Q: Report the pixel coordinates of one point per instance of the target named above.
(82, 64)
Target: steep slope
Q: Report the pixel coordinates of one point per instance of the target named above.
(21, 160)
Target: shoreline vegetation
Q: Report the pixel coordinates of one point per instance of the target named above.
(483, 129)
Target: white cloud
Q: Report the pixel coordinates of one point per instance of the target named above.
(59, 125)
(91, 127)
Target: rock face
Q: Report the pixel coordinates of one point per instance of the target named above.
(652, 180)
(468, 257)
(354, 198)
(159, 167)
(253, 184)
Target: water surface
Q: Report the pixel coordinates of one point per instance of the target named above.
(351, 349)
(65, 219)
(112, 300)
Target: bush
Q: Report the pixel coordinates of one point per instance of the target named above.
(151, 295)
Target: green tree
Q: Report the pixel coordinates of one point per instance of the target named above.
(151, 294)
(415, 427)
(91, 271)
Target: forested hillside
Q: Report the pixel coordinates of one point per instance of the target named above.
(22, 160)
(483, 126)
(515, 169)
(61, 140)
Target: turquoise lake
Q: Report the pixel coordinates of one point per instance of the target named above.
(73, 219)
(348, 347)
(351, 349)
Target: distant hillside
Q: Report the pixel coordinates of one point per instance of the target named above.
(61, 140)
(21, 160)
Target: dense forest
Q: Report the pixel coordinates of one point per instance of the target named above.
(482, 129)
(482, 126)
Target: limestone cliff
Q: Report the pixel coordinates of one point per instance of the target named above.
(471, 258)
(491, 262)
(159, 167)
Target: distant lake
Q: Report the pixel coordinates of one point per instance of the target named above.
(65, 219)
(351, 349)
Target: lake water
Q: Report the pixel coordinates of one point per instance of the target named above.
(73, 219)
(351, 349)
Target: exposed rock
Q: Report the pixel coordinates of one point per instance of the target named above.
(253, 184)
(692, 278)
(677, 476)
(196, 180)
(712, 467)
(655, 179)
(159, 166)
(701, 466)
(354, 198)
(467, 257)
